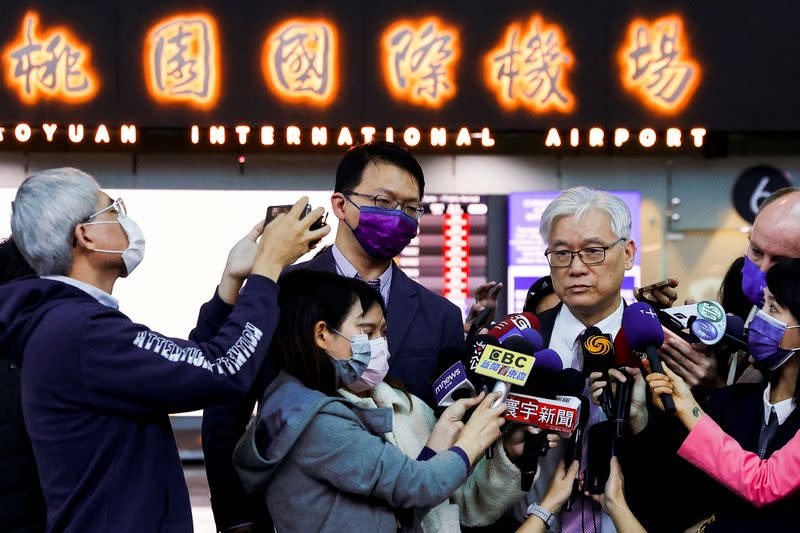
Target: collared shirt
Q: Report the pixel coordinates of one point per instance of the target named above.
(567, 328)
(345, 268)
(100, 295)
(783, 409)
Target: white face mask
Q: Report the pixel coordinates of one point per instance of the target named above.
(134, 253)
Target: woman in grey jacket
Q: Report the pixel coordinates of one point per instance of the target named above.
(322, 462)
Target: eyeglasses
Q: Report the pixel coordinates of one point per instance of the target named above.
(118, 206)
(384, 202)
(593, 255)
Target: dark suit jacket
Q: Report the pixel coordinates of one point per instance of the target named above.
(420, 325)
(677, 495)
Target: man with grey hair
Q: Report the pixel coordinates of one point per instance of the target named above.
(96, 387)
(589, 248)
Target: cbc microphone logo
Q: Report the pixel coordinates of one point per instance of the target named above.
(597, 345)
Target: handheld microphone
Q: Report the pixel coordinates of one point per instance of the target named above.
(623, 354)
(452, 385)
(598, 356)
(514, 325)
(644, 334)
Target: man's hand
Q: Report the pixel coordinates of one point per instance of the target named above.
(660, 298)
(485, 297)
(693, 362)
(239, 265)
(286, 238)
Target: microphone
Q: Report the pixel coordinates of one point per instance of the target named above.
(644, 334)
(598, 356)
(624, 357)
(514, 325)
(452, 385)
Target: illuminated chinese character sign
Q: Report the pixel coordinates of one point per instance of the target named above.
(299, 61)
(419, 60)
(52, 64)
(657, 65)
(181, 60)
(529, 68)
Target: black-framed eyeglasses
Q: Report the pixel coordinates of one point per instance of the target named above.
(382, 201)
(593, 255)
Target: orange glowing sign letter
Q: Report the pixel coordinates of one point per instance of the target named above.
(299, 61)
(52, 65)
(419, 61)
(657, 66)
(181, 60)
(529, 68)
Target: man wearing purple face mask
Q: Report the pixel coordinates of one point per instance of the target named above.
(775, 236)
(377, 199)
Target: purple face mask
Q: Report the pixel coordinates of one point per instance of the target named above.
(764, 337)
(383, 233)
(753, 282)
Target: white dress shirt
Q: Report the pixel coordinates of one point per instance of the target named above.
(98, 294)
(345, 268)
(783, 408)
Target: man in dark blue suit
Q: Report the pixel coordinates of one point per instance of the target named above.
(377, 199)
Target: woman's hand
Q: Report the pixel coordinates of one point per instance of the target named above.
(613, 501)
(514, 442)
(449, 426)
(638, 413)
(560, 487)
(686, 407)
(483, 428)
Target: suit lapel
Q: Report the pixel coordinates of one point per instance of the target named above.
(403, 304)
(547, 321)
(323, 261)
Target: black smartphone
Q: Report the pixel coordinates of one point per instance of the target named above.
(601, 442)
(274, 210)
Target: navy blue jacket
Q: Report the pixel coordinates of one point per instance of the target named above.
(420, 325)
(97, 390)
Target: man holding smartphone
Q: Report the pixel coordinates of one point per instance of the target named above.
(377, 198)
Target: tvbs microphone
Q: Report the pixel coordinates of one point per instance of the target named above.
(598, 356)
(644, 334)
(524, 325)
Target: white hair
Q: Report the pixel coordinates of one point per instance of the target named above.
(577, 201)
(48, 206)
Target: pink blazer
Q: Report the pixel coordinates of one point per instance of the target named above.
(761, 482)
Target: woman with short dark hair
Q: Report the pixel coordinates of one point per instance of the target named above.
(321, 461)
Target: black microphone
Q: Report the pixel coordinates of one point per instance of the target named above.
(598, 356)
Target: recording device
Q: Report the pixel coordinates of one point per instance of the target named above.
(705, 321)
(574, 449)
(598, 356)
(644, 334)
(601, 449)
(650, 288)
(453, 385)
(275, 210)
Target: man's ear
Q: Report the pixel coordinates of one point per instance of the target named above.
(82, 238)
(630, 253)
(337, 205)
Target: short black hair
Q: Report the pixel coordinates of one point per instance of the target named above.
(541, 287)
(307, 297)
(12, 264)
(355, 160)
(783, 281)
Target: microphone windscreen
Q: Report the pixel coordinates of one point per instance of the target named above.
(623, 354)
(642, 327)
(572, 382)
(473, 354)
(734, 326)
(533, 320)
(548, 360)
(447, 358)
(502, 328)
(518, 344)
(532, 336)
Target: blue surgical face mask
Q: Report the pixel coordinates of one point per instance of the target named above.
(349, 370)
(764, 337)
(754, 280)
